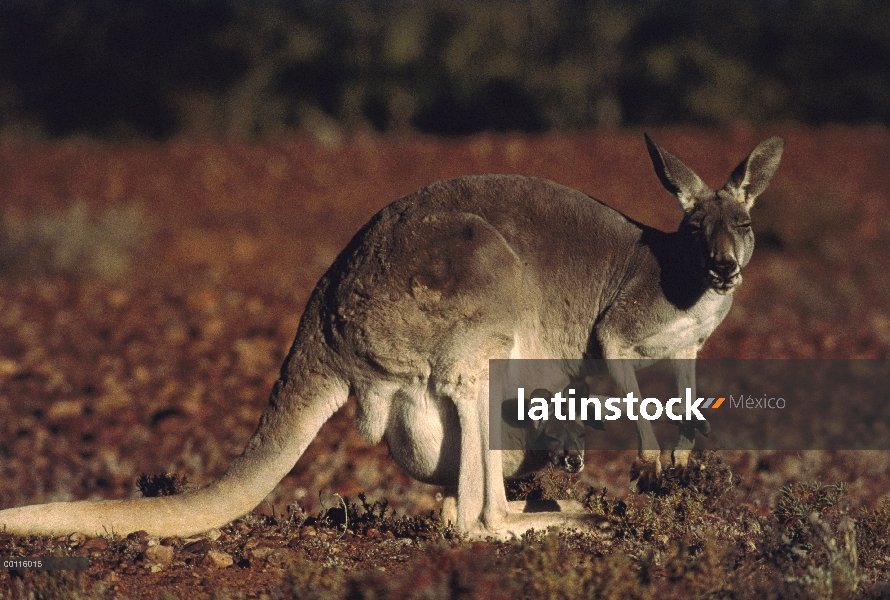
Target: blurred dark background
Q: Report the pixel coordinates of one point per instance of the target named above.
(120, 69)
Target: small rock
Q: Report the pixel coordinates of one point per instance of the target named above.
(281, 558)
(95, 545)
(219, 560)
(8, 367)
(62, 409)
(76, 539)
(214, 534)
(197, 547)
(162, 555)
(155, 568)
(241, 527)
(251, 543)
(261, 552)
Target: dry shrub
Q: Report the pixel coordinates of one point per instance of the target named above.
(366, 516)
(808, 548)
(547, 484)
(873, 536)
(72, 244)
(540, 566)
(165, 484)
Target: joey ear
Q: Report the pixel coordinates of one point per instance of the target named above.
(541, 393)
(581, 389)
(752, 175)
(509, 413)
(510, 410)
(546, 395)
(677, 178)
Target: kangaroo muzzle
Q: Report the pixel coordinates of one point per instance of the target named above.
(571, 461)
(724, 275)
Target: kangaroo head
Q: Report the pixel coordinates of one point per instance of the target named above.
(564, 442)
(561, 439)
(717, 222)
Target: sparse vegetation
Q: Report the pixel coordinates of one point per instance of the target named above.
(799, 502)
(165, 484)
(669, 541)
(167, 370)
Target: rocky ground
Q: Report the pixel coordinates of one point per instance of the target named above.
(149, 294)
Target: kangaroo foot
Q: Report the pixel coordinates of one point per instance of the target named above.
(646, 470)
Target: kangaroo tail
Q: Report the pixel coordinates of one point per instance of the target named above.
(299, 405)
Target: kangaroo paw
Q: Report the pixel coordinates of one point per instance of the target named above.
(680, 458)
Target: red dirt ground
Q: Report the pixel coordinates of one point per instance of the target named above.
(168, 369)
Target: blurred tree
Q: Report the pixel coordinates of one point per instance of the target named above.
(703, 62)
(105, 67)
(154, 68)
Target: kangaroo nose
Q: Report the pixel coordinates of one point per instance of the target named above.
(725, 265)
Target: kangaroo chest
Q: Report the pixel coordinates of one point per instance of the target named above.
(672, 329)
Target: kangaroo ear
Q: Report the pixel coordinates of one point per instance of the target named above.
(677, 178)
(581, 389)
(509, 413)
(546, 395)
(752, 175)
